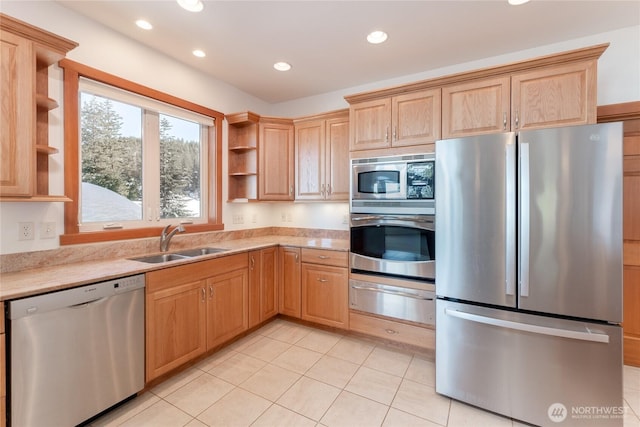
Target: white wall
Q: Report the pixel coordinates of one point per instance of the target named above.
(101, 48)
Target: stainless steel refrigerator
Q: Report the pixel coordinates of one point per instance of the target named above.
(529, 274)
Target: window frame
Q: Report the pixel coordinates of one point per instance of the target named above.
(72, 234)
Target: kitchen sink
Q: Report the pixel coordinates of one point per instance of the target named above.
(155, 259)
(173, 256)
(200, 251)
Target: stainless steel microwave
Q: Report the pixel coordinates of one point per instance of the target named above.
(394, 185)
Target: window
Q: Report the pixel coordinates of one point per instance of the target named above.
(141, 159)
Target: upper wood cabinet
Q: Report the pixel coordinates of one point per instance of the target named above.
(402, 120)
(276, 161)
(552, 90)
(26, 52)
(322, 157)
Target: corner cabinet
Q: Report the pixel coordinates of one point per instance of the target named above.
(263, 285)
(322, 157)
(27, 52)
(243, 156)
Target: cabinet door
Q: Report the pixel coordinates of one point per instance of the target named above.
(269, 283)
(17, 121)
(562, 95)
(415, 118)
(310, 160)
(175, 323)
(476, 108)
(255, 291)
(370, 124)
(337, 159)
(289, 292)
(325, 295)
(227, 314)
(276, 162)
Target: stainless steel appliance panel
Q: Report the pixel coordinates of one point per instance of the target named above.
(571, 221)
(414, 305)
(75, 353)
(475, 207)
(525, 366)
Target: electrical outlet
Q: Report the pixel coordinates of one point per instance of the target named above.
(345, 219)
(25, 231)
(241, 219)
(47, 230)
(283, 216)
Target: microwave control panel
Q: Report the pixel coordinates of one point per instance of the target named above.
(421, 180)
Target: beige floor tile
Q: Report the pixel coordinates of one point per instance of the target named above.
(631, 376)
(389, 361)
(396, 418)
(332, 371)
(172, 384)
(290, 333)
(630, 420)
(351, 410)
(375, 385)
(246, 341)
(199, 394)
(215, 359)
(282, 417)
(297, 359)
(237, 408)
(271, 326)
(309, 397)
(265, 349)
(320, 341)
(352, 350)
(237, 368)
(463, 415)
(160, 414)
(632, 397)
(270, 382)
(422, 371)
(421, 400)
(130, 409)
(196, 423)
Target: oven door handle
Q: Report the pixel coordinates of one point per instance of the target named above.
(403, 221)
(386, 291)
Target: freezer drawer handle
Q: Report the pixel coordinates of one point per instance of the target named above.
(534, 329)
(386, 291)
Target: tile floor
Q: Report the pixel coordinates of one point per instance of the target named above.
(286, 374)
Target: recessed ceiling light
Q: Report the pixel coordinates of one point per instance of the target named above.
(517, 2)
(199, 53)
(282, 66)
(376, 37)
(191, 5)
(145, 25)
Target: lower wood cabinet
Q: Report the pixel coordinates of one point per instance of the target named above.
(192, 308)
(289, 286)
(263, 285)
(325, 287)
(395, 331)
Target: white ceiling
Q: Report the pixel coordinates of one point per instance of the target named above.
(325, 40)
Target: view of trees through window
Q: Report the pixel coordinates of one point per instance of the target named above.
(114, 162)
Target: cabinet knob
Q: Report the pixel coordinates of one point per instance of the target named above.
(517, 119)
(253, 262)
(504, 121)
(321, 280)
(395, 133)
(391, 331)
(204, 294)
(210, 291)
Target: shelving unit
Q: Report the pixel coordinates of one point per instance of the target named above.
(243, 156)
(28, 52)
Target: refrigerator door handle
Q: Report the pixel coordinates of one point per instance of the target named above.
(534, 329)
(523, 252)
(510, 216)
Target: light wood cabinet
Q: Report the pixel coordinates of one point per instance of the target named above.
(322, 157)
(325, 292)
(289, 289)
(394, 331)
(192, 308)
(630, 114)
(263, 285)
(276, 160)
(227, 310)
(26, 54)
(402, 120)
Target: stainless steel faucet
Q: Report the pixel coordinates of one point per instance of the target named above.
(165, 239)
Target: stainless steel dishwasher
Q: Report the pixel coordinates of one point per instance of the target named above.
(75, 353)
